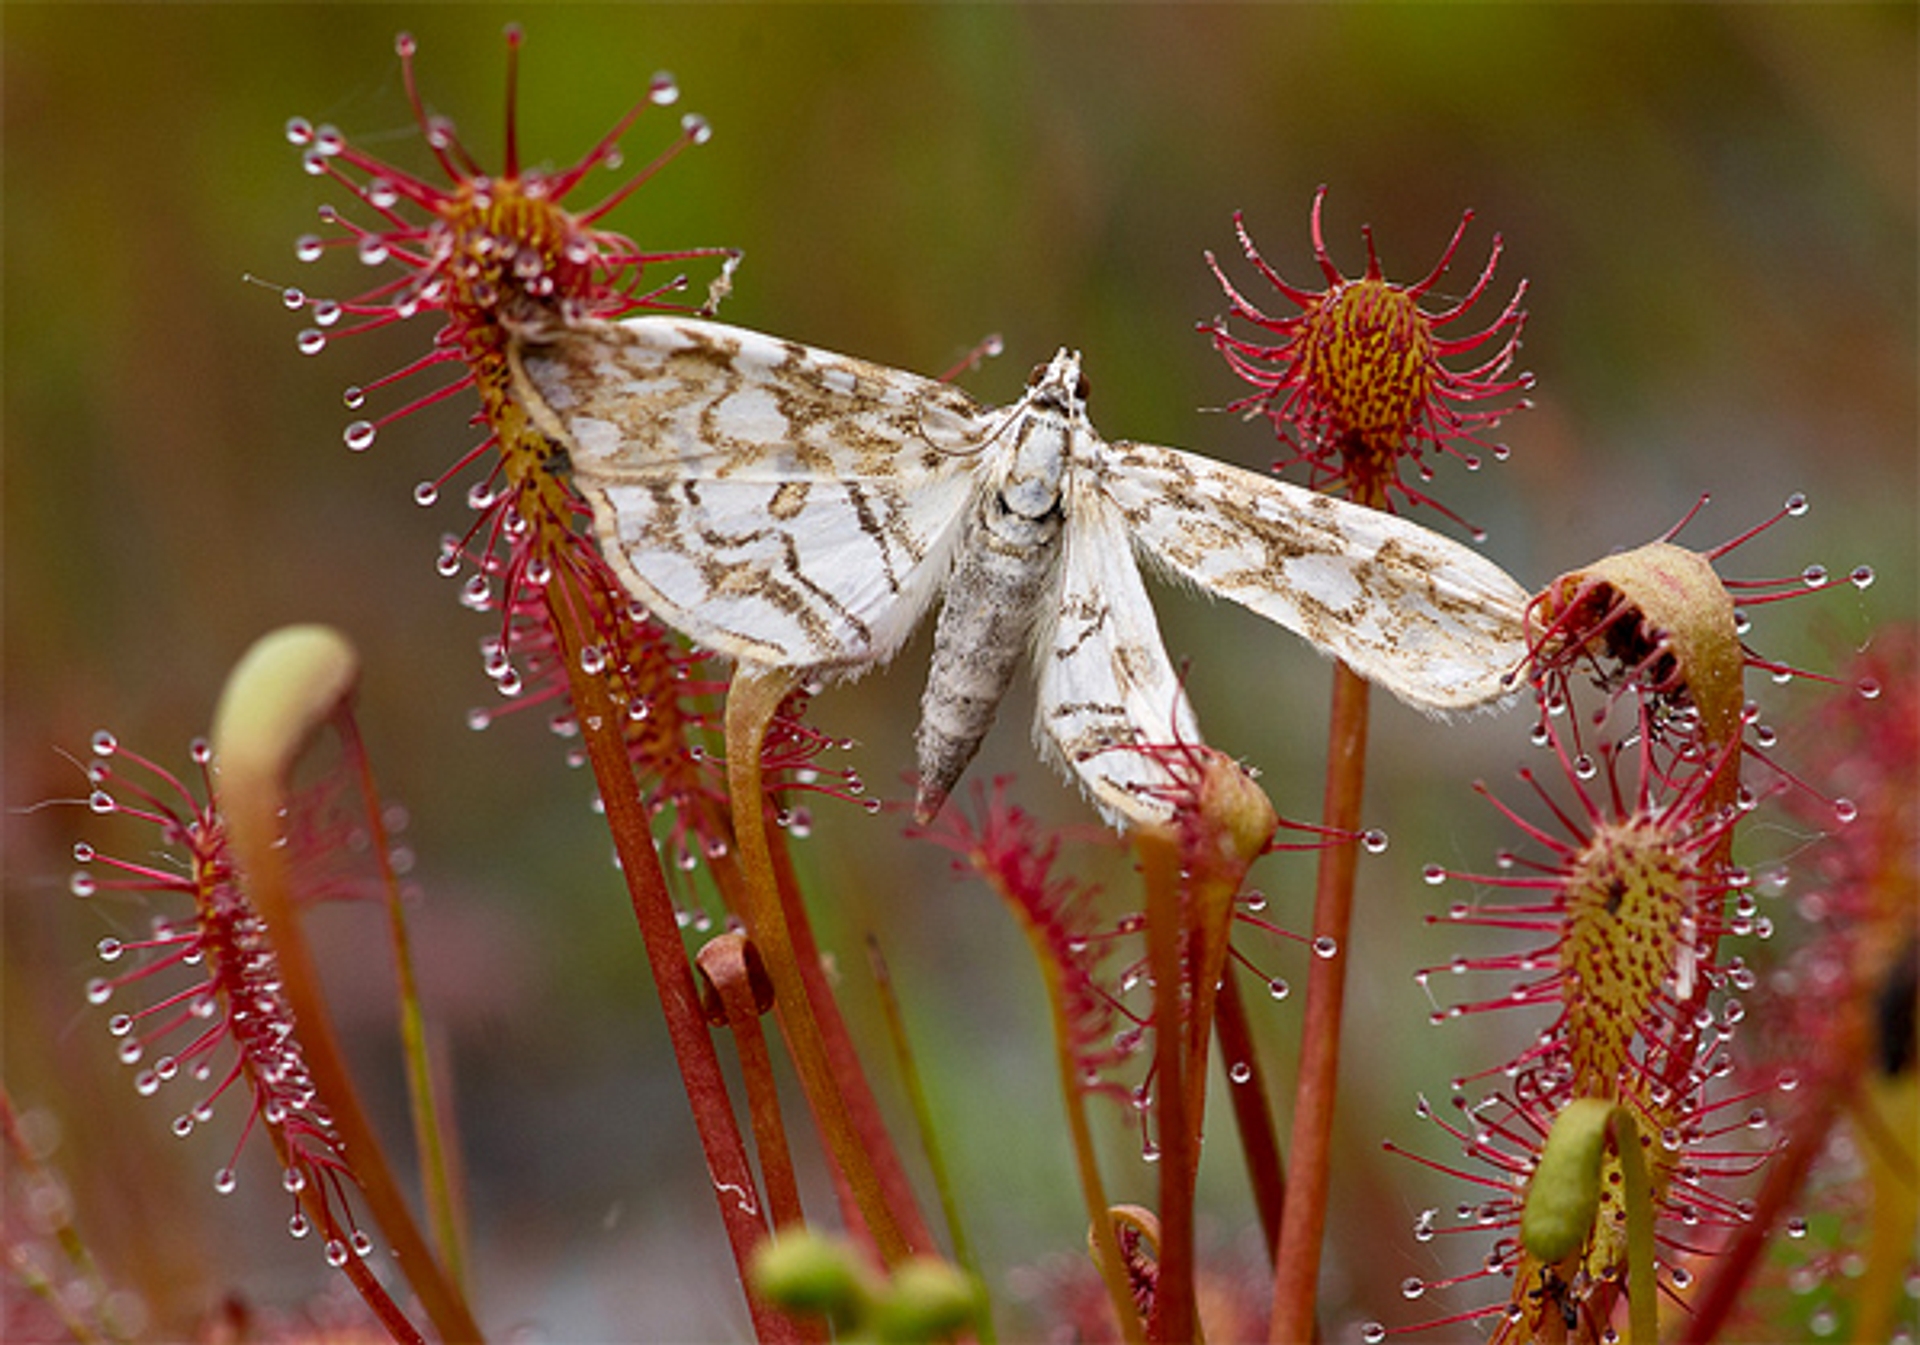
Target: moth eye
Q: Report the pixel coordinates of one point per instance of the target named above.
(1039, 372)
(1081, 388)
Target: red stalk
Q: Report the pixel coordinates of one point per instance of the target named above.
(1303, 1222)
(863, 1109)
(751, 701)
(693, 1048)
(1174, 1318)
(1252, 1111)
(740, 993)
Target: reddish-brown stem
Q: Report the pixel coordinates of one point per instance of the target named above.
(1252, 1110)
(751, 701)
(1303, 1222)
(1173, 1318)
(863, 1110)
(1207, 903)
(693, 1048)
(738, 983)
(313, 1199)
(358, 1142)
(268, 713)
(1728, 1272)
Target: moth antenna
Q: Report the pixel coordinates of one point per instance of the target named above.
(967, 450)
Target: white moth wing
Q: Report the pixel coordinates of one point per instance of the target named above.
(1433, 621)
(776, 503)
(1106, 686)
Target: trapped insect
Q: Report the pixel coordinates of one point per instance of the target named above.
(793, 508)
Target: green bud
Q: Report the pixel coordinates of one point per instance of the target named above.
(928, 1299)
(1564, 1196)
(812, 1276)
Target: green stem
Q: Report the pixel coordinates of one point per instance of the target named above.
(58, 1297)
(429, 1125)
(910, 1080)
(1106, 1245)
(1563, 1202)
(1643, 1292)
(1303, 1221)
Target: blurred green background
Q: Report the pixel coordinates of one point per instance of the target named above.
(1715, 207)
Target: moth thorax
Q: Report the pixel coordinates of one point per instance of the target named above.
(1031, 488)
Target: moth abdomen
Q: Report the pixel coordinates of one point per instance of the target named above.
(985, 624)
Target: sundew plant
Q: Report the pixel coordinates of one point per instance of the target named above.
(1675, 997)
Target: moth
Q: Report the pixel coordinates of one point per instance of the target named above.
(793, 508)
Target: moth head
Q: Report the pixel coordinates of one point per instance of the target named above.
(1059, 383)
